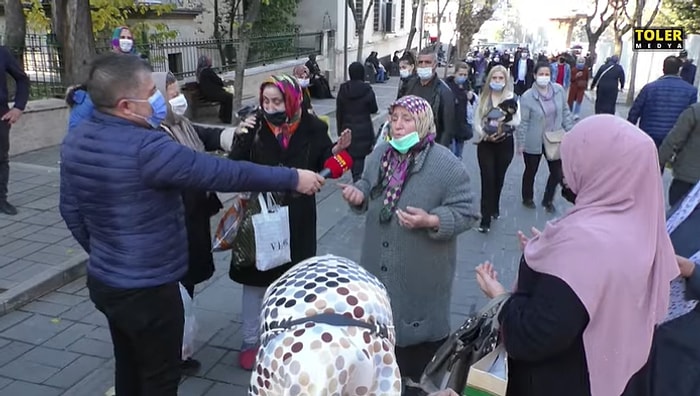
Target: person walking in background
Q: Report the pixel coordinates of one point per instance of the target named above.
(211, 88)
(609, 80)
(459, 84)
(495, 146)
(543, 108)
(561, 72)
(432, 88)
(121, 199)
(355, 104)
(522, 70)
(660, 102)
(407, 71)
(688, 69)
(8, 117)
(579, 83)
(681, 148)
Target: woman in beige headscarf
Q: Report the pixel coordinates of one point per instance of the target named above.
(199, 205)
(301, 73)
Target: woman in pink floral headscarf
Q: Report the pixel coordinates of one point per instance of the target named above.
(283, 135)
(595, 283)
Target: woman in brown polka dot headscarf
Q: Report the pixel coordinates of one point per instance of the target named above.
(327, 329)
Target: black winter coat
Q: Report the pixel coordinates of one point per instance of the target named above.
(355, 105)
(308, 148)
(199, 207)
(463, 130)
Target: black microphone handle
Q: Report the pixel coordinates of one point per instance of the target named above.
(325, 173)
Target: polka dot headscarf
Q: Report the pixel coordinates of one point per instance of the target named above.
(315, 358)
(420, 110)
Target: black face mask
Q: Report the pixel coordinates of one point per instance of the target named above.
(568, 195)
(562, 60)
(277, 118)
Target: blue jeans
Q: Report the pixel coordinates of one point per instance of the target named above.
(457, 146)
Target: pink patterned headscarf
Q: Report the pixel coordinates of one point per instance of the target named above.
(612, 248)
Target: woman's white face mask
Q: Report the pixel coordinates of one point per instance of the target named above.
(179, 104)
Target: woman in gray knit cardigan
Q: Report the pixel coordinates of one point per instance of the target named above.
(417, 199)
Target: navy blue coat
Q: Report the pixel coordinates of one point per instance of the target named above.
(121, 197)
(659, 104)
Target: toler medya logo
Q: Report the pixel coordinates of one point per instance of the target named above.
(658, 39)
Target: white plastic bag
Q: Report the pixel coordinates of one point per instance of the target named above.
(271, 229)
(190, 324)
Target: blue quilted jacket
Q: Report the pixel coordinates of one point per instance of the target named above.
(121, 199)
(659, 104)
(81, 110)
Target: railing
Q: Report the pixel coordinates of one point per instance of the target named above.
(43, 63)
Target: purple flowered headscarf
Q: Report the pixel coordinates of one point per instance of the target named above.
(396, 167)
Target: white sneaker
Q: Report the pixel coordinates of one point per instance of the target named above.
(576, 117)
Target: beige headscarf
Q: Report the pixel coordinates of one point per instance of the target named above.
(179, 127)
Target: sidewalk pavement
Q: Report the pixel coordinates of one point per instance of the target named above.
(59, 344)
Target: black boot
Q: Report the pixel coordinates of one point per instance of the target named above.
(7, 208)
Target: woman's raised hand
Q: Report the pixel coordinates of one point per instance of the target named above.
(487, 277)
(524, 239)
(352, 194)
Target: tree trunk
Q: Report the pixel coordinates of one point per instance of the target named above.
(414, 20)
(75, 37)
(217, 32)
(439, 21)
(251, 16)
(360, 41)
(15, 28)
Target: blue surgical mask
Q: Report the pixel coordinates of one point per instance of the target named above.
(159, 109)
(460, 80)
(403, 144)
(497, 86)
(425, 73)
(580, 66)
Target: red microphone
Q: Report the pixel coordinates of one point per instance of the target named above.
(335, 166)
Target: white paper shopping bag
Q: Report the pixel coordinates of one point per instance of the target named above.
(271, 229)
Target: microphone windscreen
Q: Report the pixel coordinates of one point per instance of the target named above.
(338, 164)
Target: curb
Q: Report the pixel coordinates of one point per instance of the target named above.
(42, 283)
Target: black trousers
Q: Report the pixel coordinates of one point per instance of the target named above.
(532, 164)
(494, 159)
(678, 190)
(358, 166)
(4, 156)
(146, 327)
(413, 359)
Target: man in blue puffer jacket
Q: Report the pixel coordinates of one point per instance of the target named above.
(660, 102)
(121, 182)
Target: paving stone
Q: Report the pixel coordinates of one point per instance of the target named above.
(22, 388)
(30, 270)
(209, 357)
(45, 308)
(63, 299)
(43, 237)
(36, 329)
(92, 347)
(12, 319)
(50, 357)
(74, 286)
(13, 350)
(226, 390)
(94, 384)
(80, 311)
(23, 370)
(27, 249)
(75, 371)
(46, 258)
(42, 204)
(69, 336)
(193, 386)
(4, 382)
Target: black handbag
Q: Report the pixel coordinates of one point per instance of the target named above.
(478, 336)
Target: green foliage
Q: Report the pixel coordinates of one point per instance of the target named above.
(276, 17)
(680, 13)
(107, 15)
(36, 17)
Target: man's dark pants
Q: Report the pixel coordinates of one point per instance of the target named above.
(146, 327)
(4, 156)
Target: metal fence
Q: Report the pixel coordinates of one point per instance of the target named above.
(43, 63)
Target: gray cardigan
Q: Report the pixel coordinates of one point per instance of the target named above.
(418, 266)
(530, 133)
(684, 142)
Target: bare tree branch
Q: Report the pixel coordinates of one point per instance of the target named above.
(369, 8)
